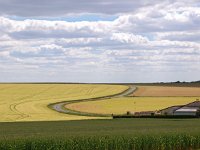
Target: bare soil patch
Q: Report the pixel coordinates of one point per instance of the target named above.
(166, 91)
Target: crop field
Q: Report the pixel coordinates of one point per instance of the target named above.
(134, 104)
(166, 91)
(28, 102)
(26, 121)
(117, 134)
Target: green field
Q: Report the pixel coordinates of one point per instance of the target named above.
(162, 134)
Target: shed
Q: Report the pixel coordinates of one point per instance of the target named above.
(169, 110)
(187, 111)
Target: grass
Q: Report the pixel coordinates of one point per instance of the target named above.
(122, 105)
(28, 102)
(146, 134)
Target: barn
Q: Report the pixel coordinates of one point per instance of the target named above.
(187, 111)
(191, 109)
(169, 110)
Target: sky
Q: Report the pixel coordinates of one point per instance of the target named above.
(99, 40)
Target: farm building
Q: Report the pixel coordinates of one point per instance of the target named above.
(144, 113)
(169, 110)
(191, 109)
(194, 104)
(187, 111)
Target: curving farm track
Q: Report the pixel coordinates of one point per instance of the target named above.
(61, 106)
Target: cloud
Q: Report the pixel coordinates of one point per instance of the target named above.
(179, 36)
(161, 18)
(51, 8)
(129, 38)
(159, 36)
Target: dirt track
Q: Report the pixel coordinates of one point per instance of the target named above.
(61, 106)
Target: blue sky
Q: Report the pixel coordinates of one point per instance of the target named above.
(71, 18)
(99, 41)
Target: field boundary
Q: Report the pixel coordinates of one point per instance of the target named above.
(160, 117)
(61, 106)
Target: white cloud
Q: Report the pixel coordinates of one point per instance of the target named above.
(161, 36)
(129, 38)
(67, 7)
(4, 54)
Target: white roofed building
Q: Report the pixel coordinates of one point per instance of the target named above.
(187, 111)
(191, 109)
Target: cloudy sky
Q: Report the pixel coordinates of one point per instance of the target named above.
(99, 40)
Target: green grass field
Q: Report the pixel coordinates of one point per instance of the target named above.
(28, 102)
(156, 134)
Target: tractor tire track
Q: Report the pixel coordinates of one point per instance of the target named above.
(13, 106)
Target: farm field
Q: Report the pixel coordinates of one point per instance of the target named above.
(119, 134)
(134, 104)
(28, 102)
(166, 91)
(27, 123)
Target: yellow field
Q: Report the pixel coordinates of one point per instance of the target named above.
(134, 104)
(166, 91)
(28, 102)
